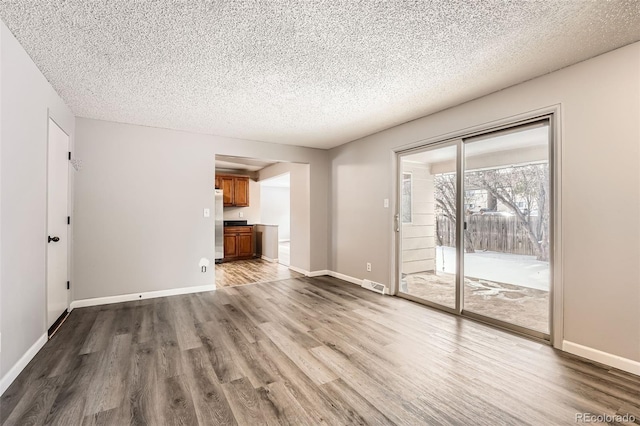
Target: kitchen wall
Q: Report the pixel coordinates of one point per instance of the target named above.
(139, 200)
(27, 102)
(599, 127)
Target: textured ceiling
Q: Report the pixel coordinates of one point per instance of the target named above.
(312, 73)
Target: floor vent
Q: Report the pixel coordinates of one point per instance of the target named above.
(373, 286)
(56, 325)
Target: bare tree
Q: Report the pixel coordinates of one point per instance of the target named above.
(522, 189)
(445, 195)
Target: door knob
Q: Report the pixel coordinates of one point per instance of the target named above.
(54, 239)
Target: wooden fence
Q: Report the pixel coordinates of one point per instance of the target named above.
(492, 232)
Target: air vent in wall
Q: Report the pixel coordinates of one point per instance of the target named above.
(373, 286)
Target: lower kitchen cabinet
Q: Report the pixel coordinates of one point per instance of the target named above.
(238, 242)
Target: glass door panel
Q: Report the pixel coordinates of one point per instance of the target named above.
(506, 236)
(427, 225)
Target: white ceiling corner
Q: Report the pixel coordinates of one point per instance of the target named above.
(310, 73)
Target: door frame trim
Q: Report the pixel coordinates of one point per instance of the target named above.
(554, 114)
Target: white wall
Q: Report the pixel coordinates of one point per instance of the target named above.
(303, 202)
(600, 129)
(26, 103)
(139, 199)
(275, 209)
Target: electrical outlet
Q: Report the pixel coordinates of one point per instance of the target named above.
(368, 267)
(241, 214)
(386, 203)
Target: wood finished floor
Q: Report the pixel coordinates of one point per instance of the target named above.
(251, 271)
(301, 351)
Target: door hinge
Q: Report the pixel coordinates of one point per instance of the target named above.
(68, 220)
(68, 285)
(69, 155)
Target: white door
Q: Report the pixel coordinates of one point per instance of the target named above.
(57, 202)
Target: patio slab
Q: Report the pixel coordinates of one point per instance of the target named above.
(523, 306)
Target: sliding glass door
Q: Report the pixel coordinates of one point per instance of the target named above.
(506, 209)
(427, 223)
(474, 227)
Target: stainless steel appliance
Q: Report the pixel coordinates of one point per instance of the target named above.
(219, 229)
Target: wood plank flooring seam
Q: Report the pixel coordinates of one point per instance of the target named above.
(301, 351)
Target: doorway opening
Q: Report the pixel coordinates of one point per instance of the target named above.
(475, 232)
(257, 236)
(275, 211)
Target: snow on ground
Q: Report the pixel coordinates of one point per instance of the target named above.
(515, 269)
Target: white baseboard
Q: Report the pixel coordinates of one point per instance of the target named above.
(268, 259)
(606, 358)
(299, 270)
(17, 368)
(347, 278)
(310, 273)
(82, 303)
(343, 277)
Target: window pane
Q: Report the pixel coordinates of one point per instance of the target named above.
(406, 198)
(428, 230)
(506, 244)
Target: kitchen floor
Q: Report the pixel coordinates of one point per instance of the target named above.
(240, 272)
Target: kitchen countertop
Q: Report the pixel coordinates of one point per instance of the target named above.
(236, 223)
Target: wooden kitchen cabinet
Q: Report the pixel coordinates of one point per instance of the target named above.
(245, 245)
(226, 184)
(238, 242)
(235, 190)
(241, 192)
(230, 246)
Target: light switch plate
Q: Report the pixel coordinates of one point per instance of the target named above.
(386, 203)
(206, 213)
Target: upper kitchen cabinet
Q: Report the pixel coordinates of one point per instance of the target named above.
(235, 190)
(241, 192)
(226, 184)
